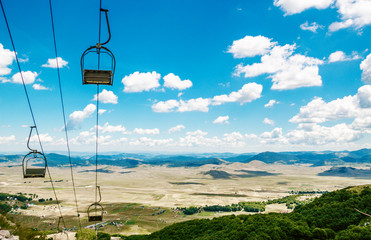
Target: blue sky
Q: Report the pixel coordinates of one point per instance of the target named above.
(193, 76)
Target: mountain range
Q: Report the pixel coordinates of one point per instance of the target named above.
(130, 160)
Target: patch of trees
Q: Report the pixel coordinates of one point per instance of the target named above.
(308, 192)
(331, 216)
(20, 197)
(290, 201)
(4, 208)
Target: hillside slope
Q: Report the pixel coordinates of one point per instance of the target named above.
(331, 216)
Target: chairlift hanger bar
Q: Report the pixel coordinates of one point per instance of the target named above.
(109, 30)
(28, 141)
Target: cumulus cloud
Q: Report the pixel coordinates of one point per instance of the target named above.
(291, 7)
(28, 77)
(106, 97)
(107, 128)
(250, 46)
(366, 69)
(310, 27)
(271, 103)
(248, 93)
(198, 104)
(139, 82)
(273, 136)
(357, 107)
(142, 131)
(235, 139)
(268, 121)
(288, 70)
(89, 137)
(221, 120)
(52, 63)
(145, 141)
(77, 117)
(340, 56)
(101, 111)
(44, 138)
(165, 106)
(6, 59)
(354, 13)
(174, 82)
(38, 86)
(177, 128)
(314, 134)
(8, 139)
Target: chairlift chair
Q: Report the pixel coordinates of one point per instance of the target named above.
(98, 212)
(30, 170)
(98, 76)
(97, 208)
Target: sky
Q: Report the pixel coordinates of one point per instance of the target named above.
(191, 76)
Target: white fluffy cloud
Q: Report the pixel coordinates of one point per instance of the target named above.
(250, 46)
(139, 82)
(366, 69)
(38, 86)
(88, 137)
(310, 27)
(107, 128)
(77, 117)
(106, 97)
(235, 139)
(165, 106)
(174, 82)
(357, 107)
(145, 141)
(101, 111)
(314, 134)
(6, 140)
(288, 70)
(197, 104)
(248, 93)
(177, 128)
(297, 6)
(6, 59)
(268, 121)
(28, 77)
(221, 120)
(142, 131)
(354, 13)
(44, 138)
(270, 137)
(271, 103)
(52, 63)
(318, 111)
(340, 56)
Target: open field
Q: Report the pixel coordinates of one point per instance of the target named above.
(135, 199)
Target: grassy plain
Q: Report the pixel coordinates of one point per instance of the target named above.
(135, 200)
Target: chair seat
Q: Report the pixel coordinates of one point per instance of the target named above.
(34, 173)
(95, 218)
(102, 77)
